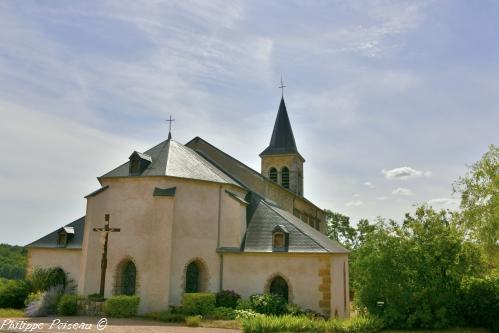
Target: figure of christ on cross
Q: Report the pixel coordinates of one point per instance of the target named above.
(103, 265)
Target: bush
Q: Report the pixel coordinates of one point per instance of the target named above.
(198, 303)
(167, 316)
(68, 305)
(13, 293)
(222, 313)
(243, 304)
(193, 321)
(480, 301)
(245, 314)
(44, 304)
(227, 298)
(122, 306)
(294, 310)
(41, 279)
(270, 304)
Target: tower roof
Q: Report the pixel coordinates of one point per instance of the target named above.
(283, 140)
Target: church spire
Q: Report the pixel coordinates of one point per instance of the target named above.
(283, 140)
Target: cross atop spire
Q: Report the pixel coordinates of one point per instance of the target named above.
(170, 120)
(282, 86)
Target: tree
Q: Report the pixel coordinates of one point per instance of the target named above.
(339, 228)
(410, 275)
(479, 190)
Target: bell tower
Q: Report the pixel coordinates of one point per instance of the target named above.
(281, 161)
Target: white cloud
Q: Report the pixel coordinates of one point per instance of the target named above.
(381, 198)
(444, 202)
(357, 203)
(368, 184)
(356, 195)
(404, 173)
(402, 191)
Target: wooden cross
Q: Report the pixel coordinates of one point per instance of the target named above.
(103, 264)
(282, 86)
(170, 121)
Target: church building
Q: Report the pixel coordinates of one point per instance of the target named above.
(190, 218)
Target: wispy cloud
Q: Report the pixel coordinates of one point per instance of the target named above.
(368, 184)
(356, 203)
(444, 203)
(402, 191)
(404, 173)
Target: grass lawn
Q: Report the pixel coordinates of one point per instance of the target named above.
(11, 313)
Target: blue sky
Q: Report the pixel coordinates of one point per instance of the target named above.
(389, 100)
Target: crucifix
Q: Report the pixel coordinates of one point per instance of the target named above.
(282, 86)
(103, 264)
(170, 132)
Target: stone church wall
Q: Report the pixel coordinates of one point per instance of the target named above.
(315, 281)
(67, 259)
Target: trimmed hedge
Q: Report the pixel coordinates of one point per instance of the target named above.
(122, 306)
(167, 316)
(68, 305)
(198, 303)
(13, 293)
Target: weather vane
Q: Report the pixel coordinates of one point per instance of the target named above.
(170, 131)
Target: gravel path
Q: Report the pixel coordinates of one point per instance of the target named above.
(113, 325)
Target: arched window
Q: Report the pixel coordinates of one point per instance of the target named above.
(128, 278)
(192, 278)
(285, 177)
(278, 286)
(273, 174)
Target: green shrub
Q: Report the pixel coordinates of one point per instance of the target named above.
(122, 306)
(167, 316)
(13, 293)
(222, 313)
(41, 279)
(243, 304)
(193, 321)
(270, 304)
(198, 303)
(68, 305)
(227, 298)
(294, 309)
(245, 314)
(480, 301)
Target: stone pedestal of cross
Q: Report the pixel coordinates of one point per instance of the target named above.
(103, 265)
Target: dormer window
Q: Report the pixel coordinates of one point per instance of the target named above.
(280, 239)
(64, 235)
(273, 174)
(138, 163)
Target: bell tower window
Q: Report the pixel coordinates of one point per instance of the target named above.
(285, 177)
(273, 174)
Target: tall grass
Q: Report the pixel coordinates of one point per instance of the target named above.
(11, 313)
(288, 323)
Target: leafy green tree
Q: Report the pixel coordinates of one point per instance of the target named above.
(410, 274)
(12, 261)
(479, 190)
(339, 228)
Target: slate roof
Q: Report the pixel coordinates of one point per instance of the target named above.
(170, 158)
(282, 140)
(264, 218)
(50, 240)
